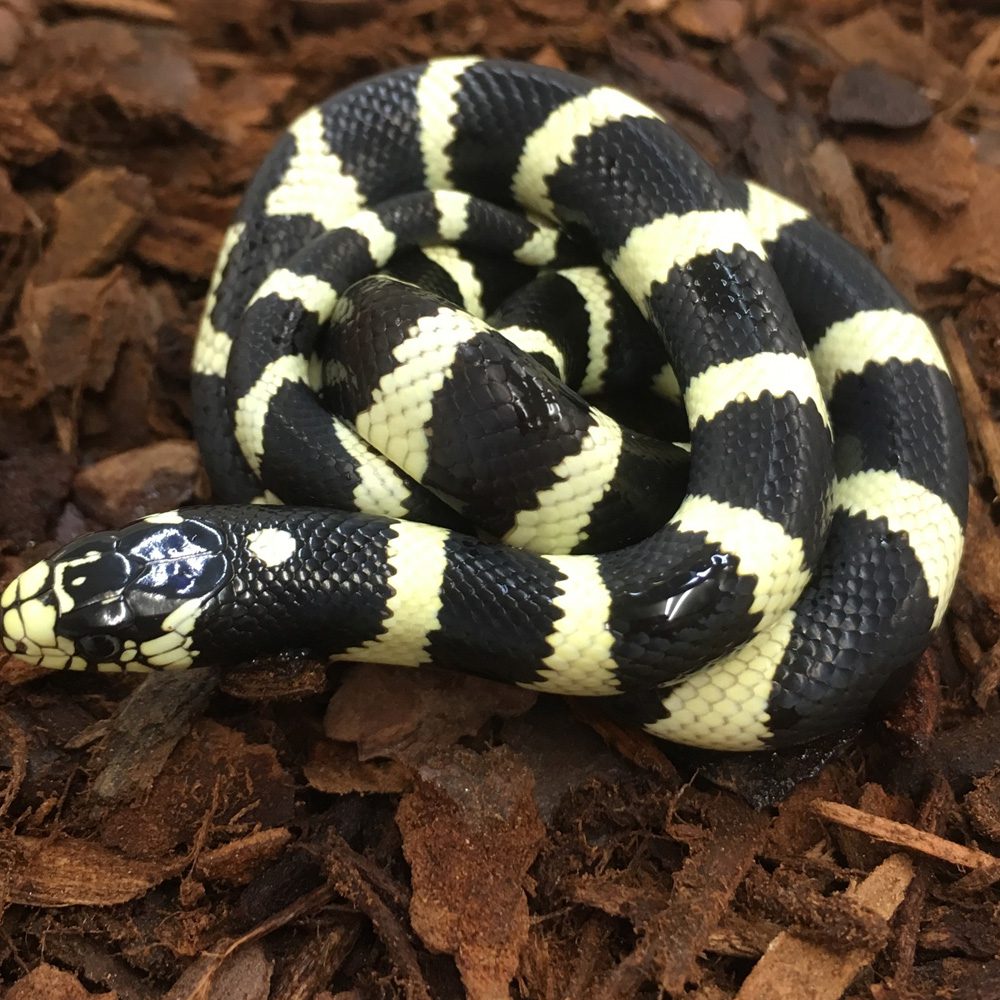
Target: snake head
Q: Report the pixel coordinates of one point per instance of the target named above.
(117, 600)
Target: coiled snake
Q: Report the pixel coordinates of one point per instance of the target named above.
(818, 541)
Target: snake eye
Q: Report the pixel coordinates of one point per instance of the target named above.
(100, 648)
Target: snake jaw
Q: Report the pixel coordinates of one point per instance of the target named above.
(28, 615)
(114, 601)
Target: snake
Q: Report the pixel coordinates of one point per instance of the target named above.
(423, 476)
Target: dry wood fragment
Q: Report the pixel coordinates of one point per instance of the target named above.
(673, 938)
(793, 969)
(934, 166)
(632, 744)
(904, 835)
(714, 20)
(97, 218)
(46, 982)
(142, 481)
(334, 768)
(66, 871)
(213, 779)
(978, 418)
(133, 10)
(408, 714)
(239, 860)
(868, 95)
(471, 831)
(197, 981)
(681, 84)
(315, 963)
(351, 876)
(844, 196)
(145, 730)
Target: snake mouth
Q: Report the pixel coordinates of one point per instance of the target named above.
(28, 616)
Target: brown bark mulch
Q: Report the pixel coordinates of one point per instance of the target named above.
(298, 834)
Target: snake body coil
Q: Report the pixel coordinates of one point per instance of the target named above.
(819, 539)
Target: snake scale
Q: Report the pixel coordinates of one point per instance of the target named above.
(758, 584)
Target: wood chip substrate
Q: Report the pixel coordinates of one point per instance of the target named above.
(296, 833)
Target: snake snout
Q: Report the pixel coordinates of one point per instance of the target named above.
(28, 616)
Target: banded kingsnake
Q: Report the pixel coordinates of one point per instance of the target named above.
(797, 577)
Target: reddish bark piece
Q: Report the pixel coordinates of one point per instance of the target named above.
(963, 929)
(796, 830)
(963, 979)
(778, 145)
(983, 805)
(364, 886)
(24, 140)
(407, 714)
(138, 482)
(715, 20)
(971, 382)
(137, 741)
(255, 20)
(681, 83)
(846, 200)
(187, 246)
(934, 251)
(11, 36)
(673, 937)
(56, 325)
(548, 55)
(313, 963)
(982, 569)
(238, 861)
(153, 11)
(66, 871)
(470, 833)
(975, 340)
(904, 835)
(563, 754)
(917, 714)
(935, 167)
(97, 217)
(248, 99)
(759, 63)
(555, 11)
(875, 36)
(334, 768)
(275, 678)
(73, 331)
(245, 974)
(793, 969)
(212, 776)
(859, 850)
(18, 245)
(870, 95)
(34, 484)
(145, 69)
(793, 900)
(46, 982)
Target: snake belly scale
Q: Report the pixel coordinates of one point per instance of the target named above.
(818, 541)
